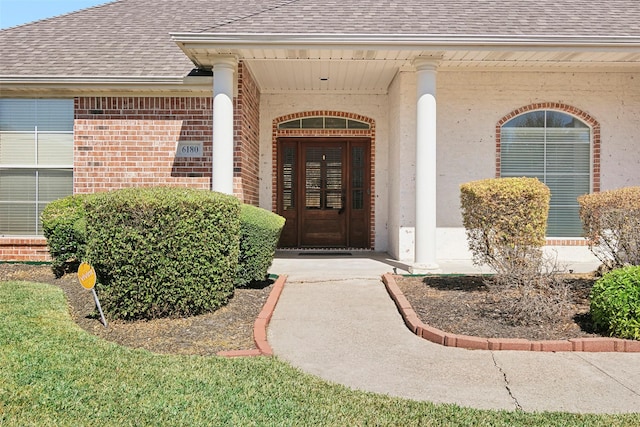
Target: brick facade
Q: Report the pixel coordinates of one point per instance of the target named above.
(247, 138)
(24, 249)
(131, 142)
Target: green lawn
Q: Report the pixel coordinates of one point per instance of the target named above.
(54, 373)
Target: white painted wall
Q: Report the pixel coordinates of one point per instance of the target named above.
(402, 165)
(469, 107)
(373, 106)
(470, 104)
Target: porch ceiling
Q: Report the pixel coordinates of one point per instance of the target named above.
(369, 66)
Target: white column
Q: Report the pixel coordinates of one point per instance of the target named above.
(425, 228)
(222, 162)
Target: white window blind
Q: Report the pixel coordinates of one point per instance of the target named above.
(36, 160)
(554, 147)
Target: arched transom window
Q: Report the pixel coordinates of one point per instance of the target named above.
(324, 122)
(554, 147)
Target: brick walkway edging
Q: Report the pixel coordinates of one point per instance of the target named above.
(260, 325)
(477, 343)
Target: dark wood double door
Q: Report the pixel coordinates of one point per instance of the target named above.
(324, 192)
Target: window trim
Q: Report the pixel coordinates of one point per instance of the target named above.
(594, 127)
(37, 167)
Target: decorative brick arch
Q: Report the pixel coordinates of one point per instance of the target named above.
(595, 147)
(366, 133)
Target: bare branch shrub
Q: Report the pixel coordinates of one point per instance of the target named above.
(532, 294)
(505, 221)
(611, 223)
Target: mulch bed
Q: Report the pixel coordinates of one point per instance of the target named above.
(455, 304)
(463, 305)
(228, 328)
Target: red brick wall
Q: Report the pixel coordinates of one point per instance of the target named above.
(131, 142)
(247, 138)
(24, 249)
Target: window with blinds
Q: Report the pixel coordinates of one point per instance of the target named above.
(36, 160)
(554, 147)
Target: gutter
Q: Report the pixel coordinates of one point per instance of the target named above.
(99, 83)
(412, 41)
(123, 80)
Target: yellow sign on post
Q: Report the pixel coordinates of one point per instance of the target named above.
(87, 278)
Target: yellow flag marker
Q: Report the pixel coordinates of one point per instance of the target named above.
(87, 278)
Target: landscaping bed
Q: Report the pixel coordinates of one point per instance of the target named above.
(463, 305)
(456, 304)
(228, 328)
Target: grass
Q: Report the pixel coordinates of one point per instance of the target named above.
(54, 373)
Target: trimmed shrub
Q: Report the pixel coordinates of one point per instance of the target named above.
(615, 303)
(64, 226)
(611, 223)
(505, 221)
(259, 234)
(162, 252)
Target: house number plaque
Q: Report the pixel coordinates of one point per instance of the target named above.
(189, 149)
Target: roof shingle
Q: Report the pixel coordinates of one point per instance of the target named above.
(131, 37)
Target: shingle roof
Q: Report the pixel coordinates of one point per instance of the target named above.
(440, 17)
(131, 37)
(123, 38)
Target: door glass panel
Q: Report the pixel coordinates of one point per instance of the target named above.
(288, 178)
(314, 175)
(333, 178)
(313, 199)
(323, 178)
(357, 178)
(313, 178)
(333, 200)
(357, 157)
(358, 199)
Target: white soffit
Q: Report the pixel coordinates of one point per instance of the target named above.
(364, 64)
(360, 76)
(372, 71)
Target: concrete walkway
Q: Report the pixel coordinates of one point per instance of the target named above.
(336, 320)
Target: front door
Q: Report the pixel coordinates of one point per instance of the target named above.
(323, 192)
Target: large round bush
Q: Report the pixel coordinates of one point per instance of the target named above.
(259, 235)
(64, 226)
(615, 303)
(162, 252)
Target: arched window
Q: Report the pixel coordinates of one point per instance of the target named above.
(554, 147)
(324, 122)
